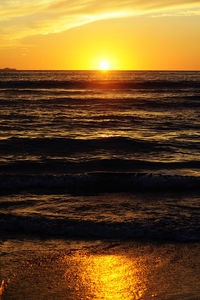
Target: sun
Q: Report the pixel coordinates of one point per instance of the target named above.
(104, 66)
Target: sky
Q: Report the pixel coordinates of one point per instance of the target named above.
(80, 34)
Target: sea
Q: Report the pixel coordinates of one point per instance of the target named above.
(109, 156)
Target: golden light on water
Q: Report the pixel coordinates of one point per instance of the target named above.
(107, 277)
(136, 272)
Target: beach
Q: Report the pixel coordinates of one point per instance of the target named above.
(61, 269)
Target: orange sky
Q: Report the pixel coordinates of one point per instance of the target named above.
(79, 34)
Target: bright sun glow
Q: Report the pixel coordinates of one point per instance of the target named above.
(104, 65)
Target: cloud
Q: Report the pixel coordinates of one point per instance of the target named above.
(22, 18)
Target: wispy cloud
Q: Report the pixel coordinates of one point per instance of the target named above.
(21, 18)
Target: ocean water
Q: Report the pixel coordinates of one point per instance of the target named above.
(90, 155)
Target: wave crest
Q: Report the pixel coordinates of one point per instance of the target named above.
(59, 227)
(98, 84)
(100, 182)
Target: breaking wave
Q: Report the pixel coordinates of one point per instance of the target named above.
(44, 226)
(61, 166)
(98, 84)
(67, 145)
(99, 182)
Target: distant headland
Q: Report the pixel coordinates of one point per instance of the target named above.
(8, 69)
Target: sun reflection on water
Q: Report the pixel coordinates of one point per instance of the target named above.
(106, 277)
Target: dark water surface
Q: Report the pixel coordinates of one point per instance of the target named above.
(100, 155)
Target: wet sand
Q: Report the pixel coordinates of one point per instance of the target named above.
(99, 270)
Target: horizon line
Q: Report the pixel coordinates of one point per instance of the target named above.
(9, 69)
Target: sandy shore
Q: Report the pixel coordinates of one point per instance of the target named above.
(99, 270)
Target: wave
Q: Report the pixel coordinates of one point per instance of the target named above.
(44, 226)
(64, 166)
(67, 145)
(99, 182)
(98, 84)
